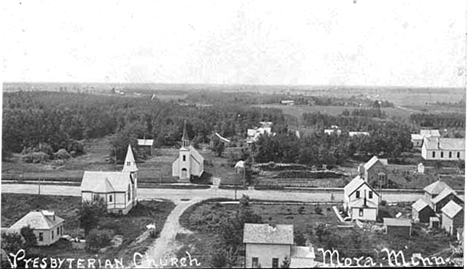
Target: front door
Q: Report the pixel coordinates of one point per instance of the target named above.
(183, 175)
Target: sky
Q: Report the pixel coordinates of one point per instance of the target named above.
(413, 43)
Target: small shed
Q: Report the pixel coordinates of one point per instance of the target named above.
(398, 227)
(421, 211)
(452, 217)
(421, 168)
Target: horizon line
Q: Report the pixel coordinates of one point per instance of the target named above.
(236, 84)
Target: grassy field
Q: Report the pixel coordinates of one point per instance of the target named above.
(129, 227)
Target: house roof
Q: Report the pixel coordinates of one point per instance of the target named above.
(40, 219)
(416, 137)
(222, 138)
(266, 234)
(353, 185)
(194, 154)
(436, 143)
(436, 187)
(302, 252)
(396, 222)
(97, 181)
(419, 205)
(129, 164)
(427, 133)
(145, 142)
(240, 164)
(451, 209)
(446, 192)
(373, 161)
(358, 133)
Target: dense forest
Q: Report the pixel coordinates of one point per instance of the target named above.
(387, 139)
(35, 120)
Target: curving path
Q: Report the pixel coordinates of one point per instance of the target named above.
(165, 245)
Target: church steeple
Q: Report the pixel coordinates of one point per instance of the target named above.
(129, 164)
(185, 140)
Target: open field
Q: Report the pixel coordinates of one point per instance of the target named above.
(129, 227)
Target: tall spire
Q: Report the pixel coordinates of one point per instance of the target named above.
(185, 140)
(129, 164)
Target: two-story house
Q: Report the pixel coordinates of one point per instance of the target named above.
(360, 200)
(374, 172)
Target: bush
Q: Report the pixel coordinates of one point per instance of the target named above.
(35, 157)
(62, 154)
(318, 210)
(98, 239)
(383, 203)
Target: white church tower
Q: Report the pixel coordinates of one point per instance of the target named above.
(130, 166)
(184, 157)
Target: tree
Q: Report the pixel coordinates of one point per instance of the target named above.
(286, 262)
(218, 147)
(299, 238)
(321, 232)
(97, 239)
(30, 239)
(90, 212)
(12, 242)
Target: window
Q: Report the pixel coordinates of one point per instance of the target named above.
(433, 154)
(110, 198)
(450, 154)
(274, 263)
(183, 158)
(41, 237)
(52, 233)
(58, 231)
(381, 177)
(128, 192)
(441, 154)
(361, 212)
(128, 163)
(371, 195)
(358, 194)
(458, 155)
(254, 262)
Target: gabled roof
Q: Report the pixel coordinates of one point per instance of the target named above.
(446, 192)
(419, 205)
(194, 154)
(436, 187)
(240, 164)
(103, 182)
(396, 222)
(451, 209)
(373, 161)
(436, 143)
(427, 133)
(354, 184)
(266, 234)
(145, 142)
(129, 164)
(222, 138)
(38, 220)
(416, 137)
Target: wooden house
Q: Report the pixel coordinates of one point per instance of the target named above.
(452, 217)
(360, 200)
(431, 191)
(375, 172)
(397, 227)
(422, 211)
(46, 225)
(443, 198)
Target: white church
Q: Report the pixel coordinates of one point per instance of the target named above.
(189, 162)
(118, 189)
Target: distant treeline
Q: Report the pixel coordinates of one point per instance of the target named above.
(442, 120)
(212, 97)
(60, 119)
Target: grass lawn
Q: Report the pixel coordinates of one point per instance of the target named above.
(130, 227)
